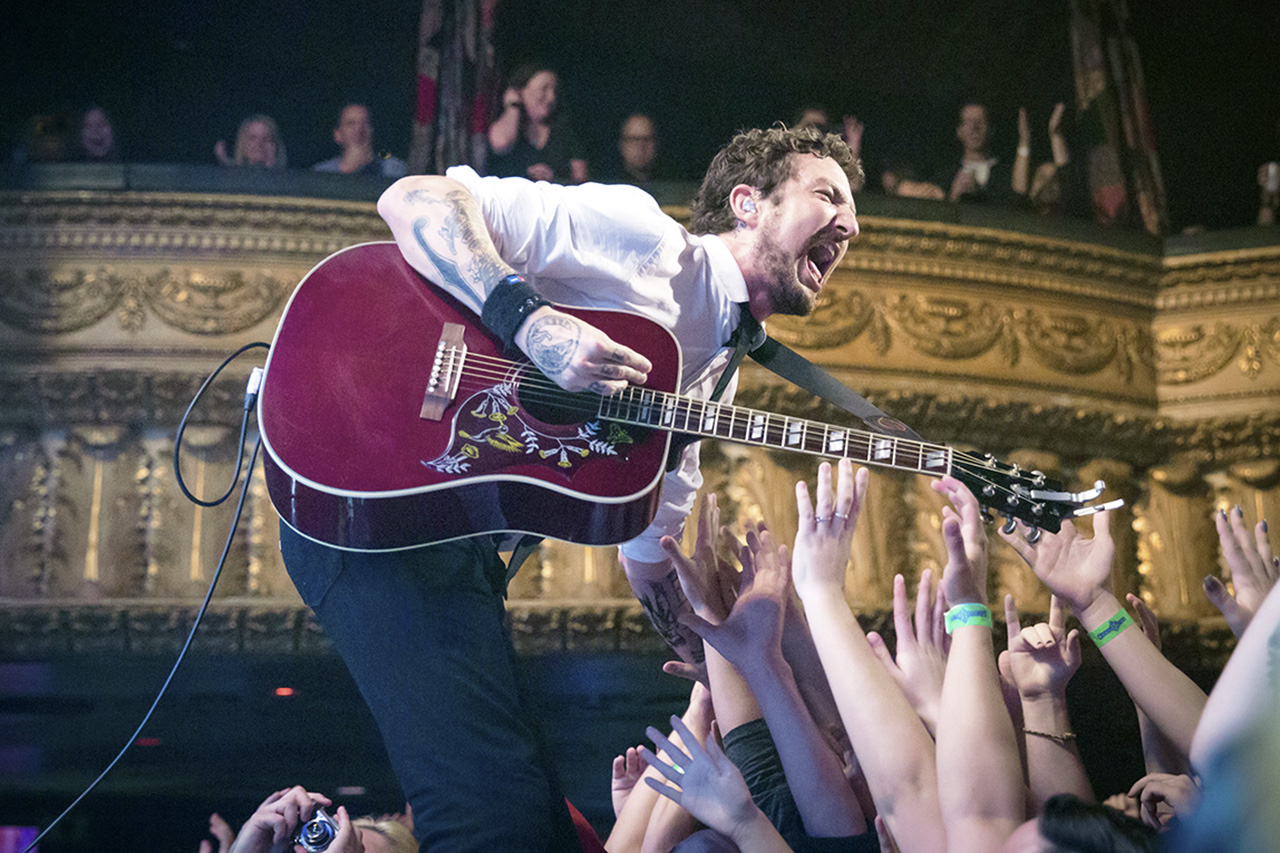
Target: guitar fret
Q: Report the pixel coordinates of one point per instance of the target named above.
(795, 433)
(674, 412)
(710, 417)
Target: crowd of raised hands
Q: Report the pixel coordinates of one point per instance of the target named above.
(803, 732)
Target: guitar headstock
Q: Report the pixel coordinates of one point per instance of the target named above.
(1027, 496)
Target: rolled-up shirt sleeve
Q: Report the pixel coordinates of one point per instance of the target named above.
(595, 232)
(679, 489)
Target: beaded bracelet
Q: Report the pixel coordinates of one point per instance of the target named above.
(1062, 738)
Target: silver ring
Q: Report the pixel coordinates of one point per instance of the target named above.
(822, 519)
(841, 516)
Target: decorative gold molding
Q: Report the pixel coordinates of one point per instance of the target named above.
(190, 224)
(193, 300)
(1006, 258)
(955, 328)
(1192, 353)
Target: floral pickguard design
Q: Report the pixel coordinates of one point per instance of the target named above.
(490, 428)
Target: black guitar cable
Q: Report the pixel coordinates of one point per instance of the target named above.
(250, 399)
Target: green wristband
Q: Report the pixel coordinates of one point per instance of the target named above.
(968, 614)
(1111, 629)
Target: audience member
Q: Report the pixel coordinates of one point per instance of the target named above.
(637, 149)
(532, 138)
(816, 116)
(793, 773)
(46, 139)
(981, 177)
(97, 137)
(354, 135)
(1269, 197)
(258, 145)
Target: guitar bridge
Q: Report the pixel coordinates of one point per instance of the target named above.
(446, 372)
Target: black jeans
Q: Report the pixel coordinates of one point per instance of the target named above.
(424, 635)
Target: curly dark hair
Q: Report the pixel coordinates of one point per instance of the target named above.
(762, 159)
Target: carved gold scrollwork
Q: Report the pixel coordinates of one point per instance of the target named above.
(43, 302)
(1136, 352)
(1070, 343)
(948, 328)
(1260, 341)
(842, 314)
(204, 304)
(1190, 353)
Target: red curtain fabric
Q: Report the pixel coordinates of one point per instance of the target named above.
(456, 86)
(1119, 147)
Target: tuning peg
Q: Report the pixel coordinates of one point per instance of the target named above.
(987, 517)
(1034, 536)
(1009, 525)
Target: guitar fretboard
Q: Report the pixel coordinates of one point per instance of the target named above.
(676, 413)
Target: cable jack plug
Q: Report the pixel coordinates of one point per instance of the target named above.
(251, 390)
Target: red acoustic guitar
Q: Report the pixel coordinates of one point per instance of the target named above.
(391, 420)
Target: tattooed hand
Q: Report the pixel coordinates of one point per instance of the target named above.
(577, 355)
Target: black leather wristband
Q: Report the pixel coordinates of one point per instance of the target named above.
(508, 306)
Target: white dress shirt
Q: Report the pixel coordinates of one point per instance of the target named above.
(611, 246)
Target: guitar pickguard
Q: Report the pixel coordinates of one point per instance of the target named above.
(491, 429)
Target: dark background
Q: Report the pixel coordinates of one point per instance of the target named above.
(179, 74)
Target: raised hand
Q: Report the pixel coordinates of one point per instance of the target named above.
(1043, 657)
(220, 830)
(1164, 796)
(1055, 118)
(921, 661)
(1254, 569)
(751, 633)
(706, 581)
(1024, 128)
(271, 828)
(964, 580)
(704, 781)
(852, 132)
(627, 769)
(825, 534)
(1074, 568)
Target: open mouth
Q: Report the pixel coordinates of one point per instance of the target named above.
(820, 259)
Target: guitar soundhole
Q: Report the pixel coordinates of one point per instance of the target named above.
(557, 406)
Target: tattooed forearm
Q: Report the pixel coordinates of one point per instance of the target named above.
(552, 341)
(664, 603)
(451, 232)
(447, 266)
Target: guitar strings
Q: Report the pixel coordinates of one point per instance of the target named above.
(535, 386)
(505, 370)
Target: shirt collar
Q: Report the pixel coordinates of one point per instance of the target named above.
(725, 268)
